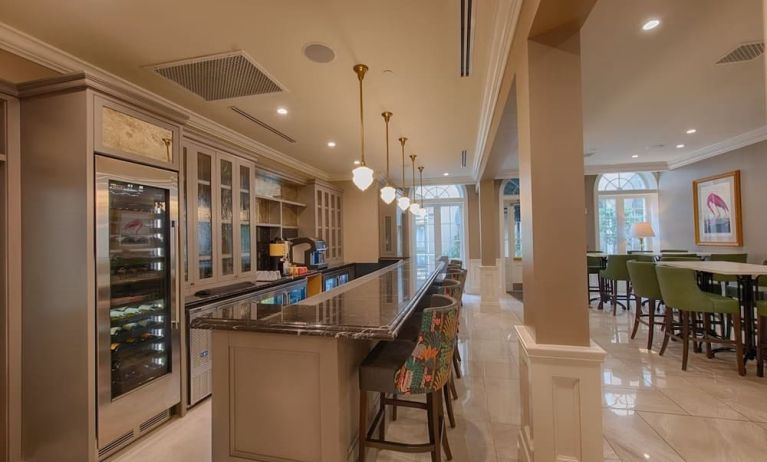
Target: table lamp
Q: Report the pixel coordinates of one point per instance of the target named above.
(641, 231)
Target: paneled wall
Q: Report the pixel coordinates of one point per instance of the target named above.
(360, 223)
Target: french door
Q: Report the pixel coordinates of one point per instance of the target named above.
(439, 233)
(617, 213)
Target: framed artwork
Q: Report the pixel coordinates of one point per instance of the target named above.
(716, 202)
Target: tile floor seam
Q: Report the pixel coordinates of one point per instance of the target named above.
(668, 443)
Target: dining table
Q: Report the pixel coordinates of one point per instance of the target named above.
(747, 275)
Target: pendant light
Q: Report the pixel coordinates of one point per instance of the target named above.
(362, 176)
(388, 193)
(414, 206)
(422, 209)
(403, 202)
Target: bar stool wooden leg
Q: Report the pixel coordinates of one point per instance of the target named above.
(443, 431)
(739, 344)
(668, 327)
(394, 410)
(706, 333)
(761, 344)
(453, 391)
(637, 315)
(382, 428)
(651, 313)
(433, 402)
(449, 405)
(456, 367)
(363, 430)
(685, 338)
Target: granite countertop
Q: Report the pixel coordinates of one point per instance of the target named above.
(244, 287)
(372, 307)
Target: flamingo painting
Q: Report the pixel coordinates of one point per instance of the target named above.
(719, 219)
(717, 205)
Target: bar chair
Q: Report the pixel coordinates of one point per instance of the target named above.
(679, 288)
(411, 368)
(593, 268)
(616, 272)
(645, 284)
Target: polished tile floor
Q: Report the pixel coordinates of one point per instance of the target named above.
(652, 410)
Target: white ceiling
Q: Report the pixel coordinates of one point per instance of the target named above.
(644, 89)
(417, 40)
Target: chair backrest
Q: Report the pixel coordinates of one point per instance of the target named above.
(673, 251)
(680, 258)
(679, 288)
(644, 258)
(427, 369)
(450, 287)
(616, 267)
(733, 257)
(634, 252)
(458, 263)
(644, 280)
(457, 274)
(593, 262)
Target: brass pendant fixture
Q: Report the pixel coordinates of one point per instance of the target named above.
(362, 176)
(403, 202)
(414, 206)
(421, 210)
(388, 193)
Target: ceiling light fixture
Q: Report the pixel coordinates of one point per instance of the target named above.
(331, 144)
(282, 111)
(691, 131)
(422, 209)
(679, 146)
(356, 162)
(404, 201)
(362, 176)
(388, 193)
(651, 24)
(414, 207)
(635, 156)
(445, 174)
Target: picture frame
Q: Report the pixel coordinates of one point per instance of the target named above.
(717, 210)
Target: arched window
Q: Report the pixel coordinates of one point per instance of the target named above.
(449, 191)
(627, 181)
(511, 187)
(623, 200)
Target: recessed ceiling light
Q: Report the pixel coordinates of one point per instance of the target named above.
(445, 174)
(331, 144)
(356, 162)
(635, 156)
(651, 24)
(282, 111)
(679, 146)
(691, 131)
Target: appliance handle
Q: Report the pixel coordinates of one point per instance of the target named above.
(176, 319)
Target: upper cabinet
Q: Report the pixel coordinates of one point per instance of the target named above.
(219, 211)
(127, 132)
(323, 217)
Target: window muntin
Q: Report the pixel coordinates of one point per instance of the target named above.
(449, 191)
(626, 181)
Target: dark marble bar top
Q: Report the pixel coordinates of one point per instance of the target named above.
(371, 307)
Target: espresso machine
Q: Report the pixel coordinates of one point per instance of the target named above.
(309, 252)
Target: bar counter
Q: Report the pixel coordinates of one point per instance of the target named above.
(285, 378)
(371, 307)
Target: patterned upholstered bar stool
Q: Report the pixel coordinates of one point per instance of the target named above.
(408, 368)
(457, 263)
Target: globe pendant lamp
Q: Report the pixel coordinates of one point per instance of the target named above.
(362, 176)
(422, 209)
(414, 206)
(403, 202)
(388, 193)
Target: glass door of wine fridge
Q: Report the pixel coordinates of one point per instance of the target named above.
(137, 314)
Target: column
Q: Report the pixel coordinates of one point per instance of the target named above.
(489, 283)
(560, 368)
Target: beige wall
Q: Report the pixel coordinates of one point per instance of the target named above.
(591, 231)
(676, 206)
(472, 204)
(360, 223)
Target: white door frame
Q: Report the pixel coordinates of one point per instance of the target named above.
(651, 201)
(438, 202)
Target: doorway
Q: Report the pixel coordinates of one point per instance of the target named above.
(441, 231)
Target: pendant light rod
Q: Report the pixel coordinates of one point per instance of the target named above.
(412, 161)
(387, 117)
(402, 141)
(361, 69)
(420, 174)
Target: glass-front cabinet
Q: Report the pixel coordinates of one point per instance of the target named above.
(220, 211)
(323, 217)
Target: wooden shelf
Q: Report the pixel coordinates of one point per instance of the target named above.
(278, 200)
(269, 225)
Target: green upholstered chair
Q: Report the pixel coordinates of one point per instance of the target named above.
(411, 368)
(645, 284)
(688, 257)
(761, 330)
(679, 288)
(673, 251)
(594, 266)
(644, 258)
(724, 280)
(458, 263)
(614, 273)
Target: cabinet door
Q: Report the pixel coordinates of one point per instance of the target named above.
(245, 203)
(200, 206)
(227, 202)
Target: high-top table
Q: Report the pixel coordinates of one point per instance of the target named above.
(285, 378)
(746, 274)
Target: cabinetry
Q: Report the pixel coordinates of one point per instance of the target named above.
(220, 211)
(323, 217)
(392, 225)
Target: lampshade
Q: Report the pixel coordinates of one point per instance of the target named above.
(362, 177)
(414, 208)
(277, 250)
(403, 203)
(422, 212)
(388, 194)
(641, 230)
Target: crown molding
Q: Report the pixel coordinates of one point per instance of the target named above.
(628, 167)
(722, 147)
(44, 54)
(506, 23)
(506, 174)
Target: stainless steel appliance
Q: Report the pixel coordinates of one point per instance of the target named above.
(200, 340)
(333, 279)
(309, 252)
(137, 317)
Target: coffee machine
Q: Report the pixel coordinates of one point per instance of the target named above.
(309, 252)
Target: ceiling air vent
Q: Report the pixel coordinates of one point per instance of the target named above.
(222, 76)
(464, 155)
(744, 52)
(262, 124)
(466, 35)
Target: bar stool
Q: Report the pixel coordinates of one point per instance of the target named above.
(616, 272)
(761, 336)
(645, 284)
(594, 267)
(401, 367)
(458, 263)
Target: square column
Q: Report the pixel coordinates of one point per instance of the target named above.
(489, 282)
